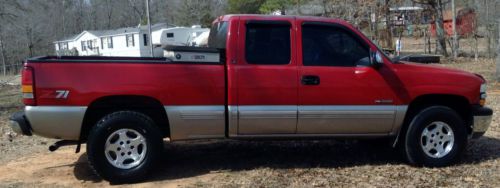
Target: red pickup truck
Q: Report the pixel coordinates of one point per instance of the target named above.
(261, 77)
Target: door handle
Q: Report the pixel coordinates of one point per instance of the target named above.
(310, 80)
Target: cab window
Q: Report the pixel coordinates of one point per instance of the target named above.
(218, 35)
(325, 45)
(268, 43)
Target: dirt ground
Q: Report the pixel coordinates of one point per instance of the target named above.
(26, 162)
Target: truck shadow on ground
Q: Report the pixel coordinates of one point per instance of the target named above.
(183, 160)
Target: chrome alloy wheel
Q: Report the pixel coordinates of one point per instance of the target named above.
(437, 139)
(125, 148)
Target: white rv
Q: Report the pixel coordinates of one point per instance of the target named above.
(179, 36)
(131, 41)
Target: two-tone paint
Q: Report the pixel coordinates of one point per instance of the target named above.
(238, 100)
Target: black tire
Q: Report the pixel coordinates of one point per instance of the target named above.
(378, 142)
(121, 120)
(413, 147)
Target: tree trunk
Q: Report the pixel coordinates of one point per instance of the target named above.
(476, 48)
(375, 25)
(29, 35)
(2, 52)
(109, 14)
(441, 39)
(488, 28)
(498, 51)
(425, 42)
(136, 10)
(388, 24)
(80, 16)
(3, 58)
(63, 15)
(454, 49)
(428, 40)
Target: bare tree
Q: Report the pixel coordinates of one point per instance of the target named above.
(7, 15)
(109, 12)
(388, 24)
(475, 33)
(437, 6)
(3, 55)
(138, 7)
(454, 46)
(196, 12)
(359, 12)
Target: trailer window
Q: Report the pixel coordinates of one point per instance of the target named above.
(218, 35)
(130, 40)
(110, 42)
(84, 46)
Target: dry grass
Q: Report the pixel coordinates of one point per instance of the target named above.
(12, 145)
(263, 164)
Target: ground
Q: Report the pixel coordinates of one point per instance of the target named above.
(26, 162)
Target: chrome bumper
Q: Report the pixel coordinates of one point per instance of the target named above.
(482, 119)
(60, 122)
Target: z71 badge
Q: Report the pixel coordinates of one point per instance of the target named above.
(62, 94)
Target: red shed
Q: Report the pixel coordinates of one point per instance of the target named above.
(466, 19)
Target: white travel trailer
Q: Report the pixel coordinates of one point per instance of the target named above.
(179, 36)
(131, 41)
(201, 40)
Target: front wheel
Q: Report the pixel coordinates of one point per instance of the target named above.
(124, 146)
(435, 137)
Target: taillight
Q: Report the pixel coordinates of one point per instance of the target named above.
(28, 86)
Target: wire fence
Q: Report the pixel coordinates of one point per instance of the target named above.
(11, 69)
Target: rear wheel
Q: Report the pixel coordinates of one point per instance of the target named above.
(435, 137)
(124, 146)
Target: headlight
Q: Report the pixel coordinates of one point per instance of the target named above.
(482, 93)
(483, 88)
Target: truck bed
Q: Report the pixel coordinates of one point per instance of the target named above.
(90, 78)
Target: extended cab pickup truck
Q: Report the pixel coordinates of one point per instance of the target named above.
(262, 77)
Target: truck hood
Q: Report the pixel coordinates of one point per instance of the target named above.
(429, 69)
(427, 79)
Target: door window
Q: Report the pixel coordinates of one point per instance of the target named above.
(268, 43)
(324, 45)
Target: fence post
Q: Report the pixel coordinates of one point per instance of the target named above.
(425, 42)
(454, 46)
(498, 53)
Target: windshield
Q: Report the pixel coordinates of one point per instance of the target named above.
(218, 35)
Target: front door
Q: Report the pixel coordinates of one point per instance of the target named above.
(339, 92)
(266, 78)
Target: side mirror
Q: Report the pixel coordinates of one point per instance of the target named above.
(376, 59)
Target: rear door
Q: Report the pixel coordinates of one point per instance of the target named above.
(266, 77)
(339, 93)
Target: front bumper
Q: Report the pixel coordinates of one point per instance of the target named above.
(482, 119)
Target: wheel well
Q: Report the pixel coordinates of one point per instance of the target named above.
(106, 105)
(458, 103)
